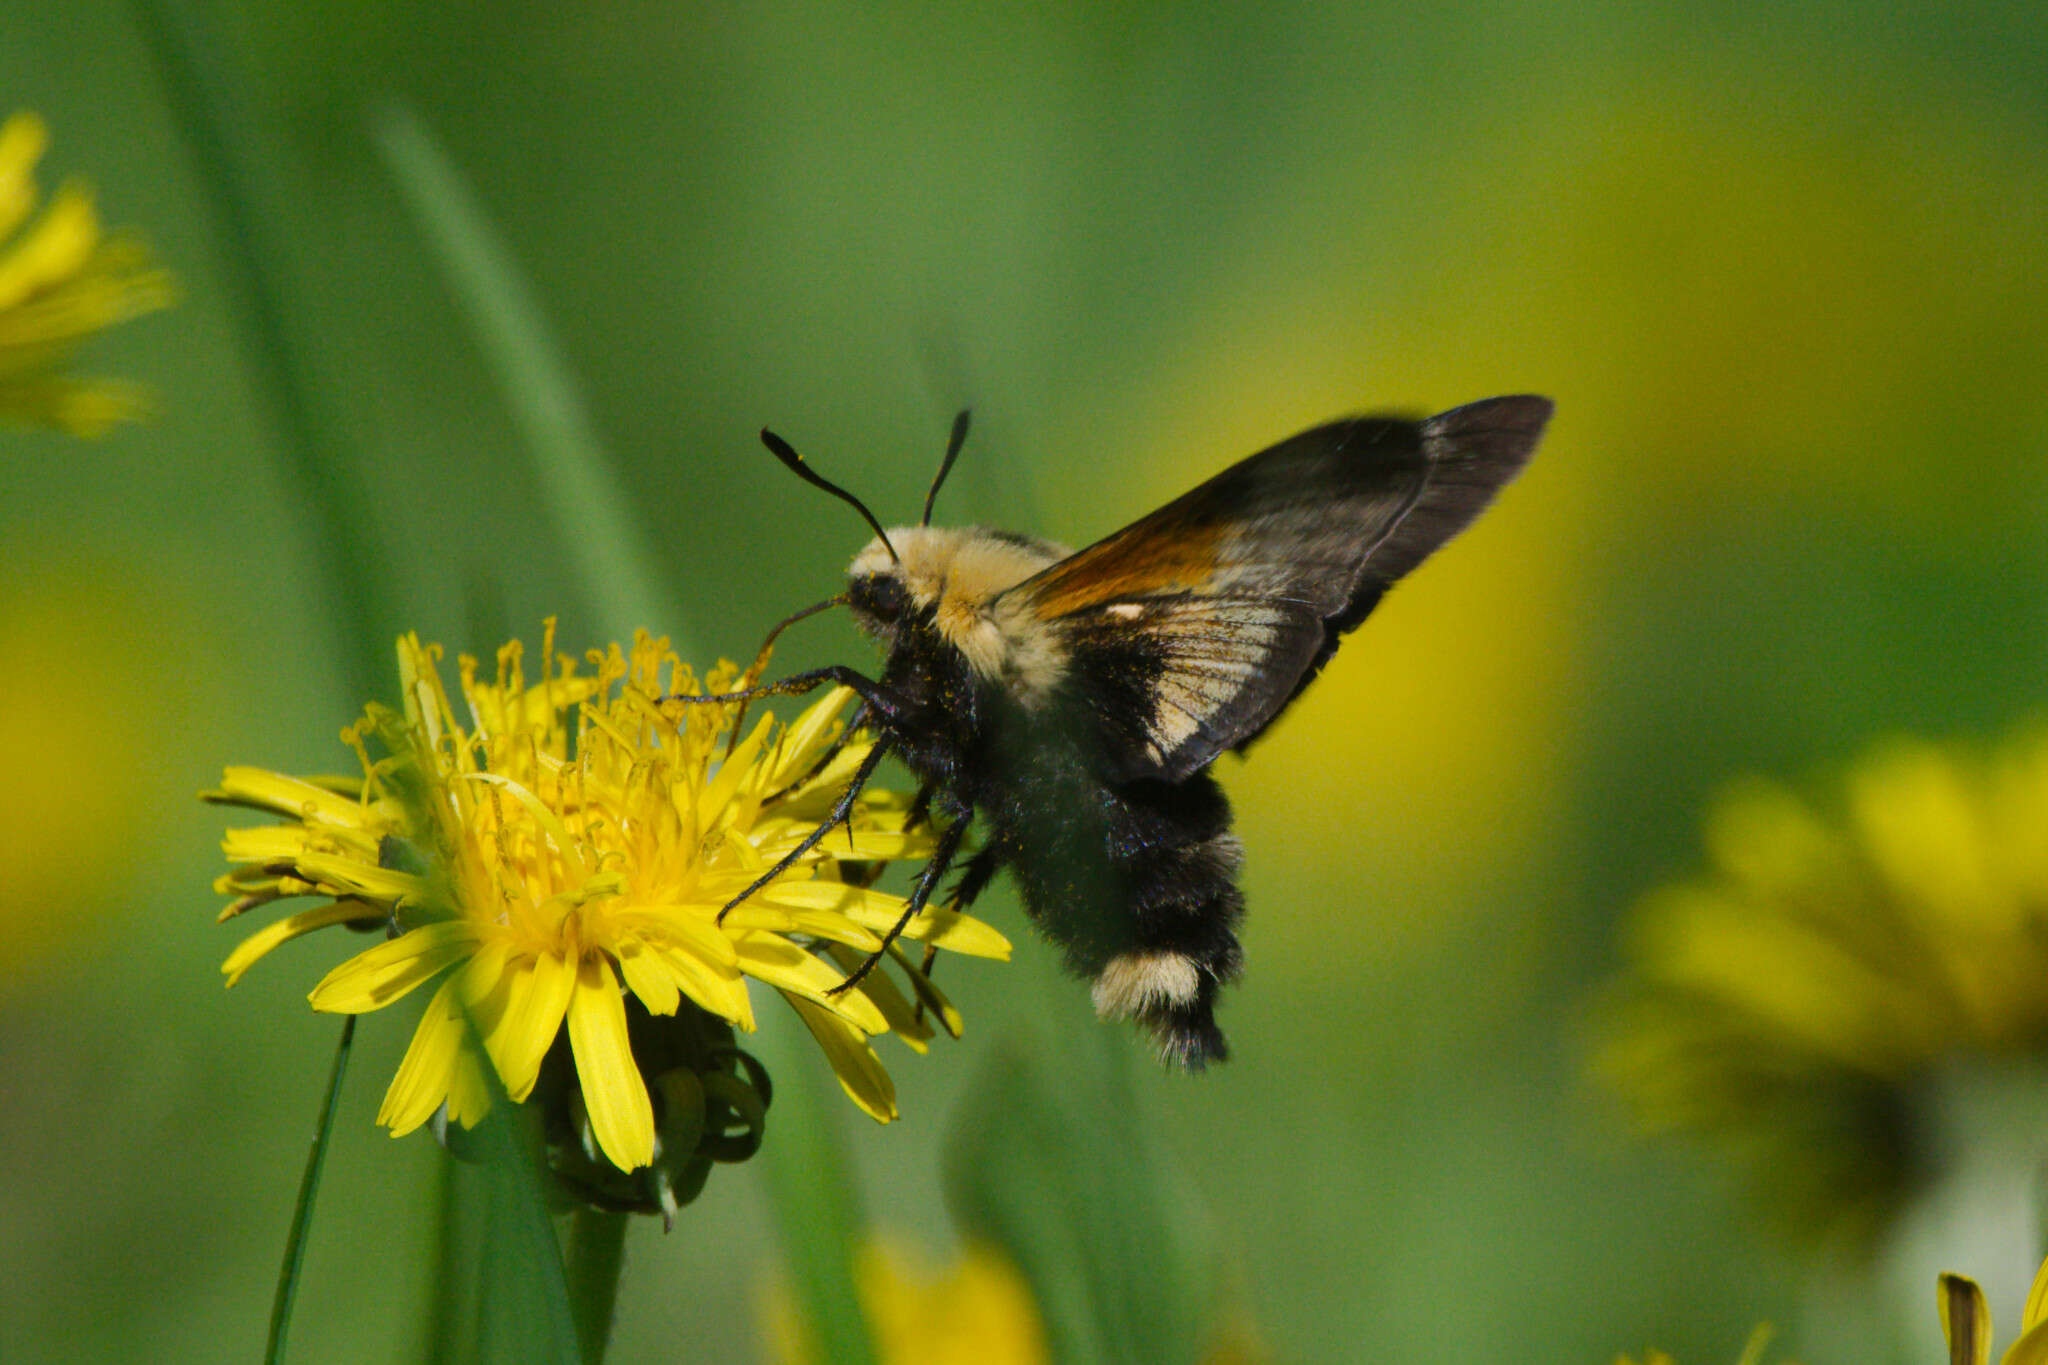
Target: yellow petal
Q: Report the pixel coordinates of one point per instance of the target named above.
(621, 1115)
(1965, 1320)
(690, 928)
(288, 928)
(249, 898)
(869, 912)
(775, 836)
(266, 843)
(53, 248)
(537, 998)
(824, 924)
(429, 1066)
(859, 1070)
(350, 876)
(719, 989)
(806, 738)
(905, 1021)
(698, 955)
(648, 977)
(2030, 1349)
(22, 140)
(275, 844)
(929, 995)
(789, 968)
(722, 788)
(469, 1096)
(292, 796)
(2037, 1300)
(566, 844)
(824, 786)
(373, 979)
(878, 910)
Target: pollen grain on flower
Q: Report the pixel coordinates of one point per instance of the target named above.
(63, 278)
(554, 854)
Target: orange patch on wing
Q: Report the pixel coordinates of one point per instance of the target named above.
(1164, 558)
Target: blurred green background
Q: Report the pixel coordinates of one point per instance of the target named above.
(1782, 269)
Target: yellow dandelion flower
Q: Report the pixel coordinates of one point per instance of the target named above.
(557, 855)
(62, 279)
(1798, 1002)
(1966, 1323)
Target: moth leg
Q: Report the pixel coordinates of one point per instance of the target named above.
(842, 811)
(879, 699)
(942, 858)
(760, 665)
(981, 869)
(866, 872)
(974, 879)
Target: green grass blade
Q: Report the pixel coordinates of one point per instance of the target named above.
(608, 546)
(309, 1193)
(1050, 1158)
(597, 1252)
(812, 1189)
(229, 161)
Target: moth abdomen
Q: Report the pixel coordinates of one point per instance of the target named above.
(1138, 883)
(1186, 906)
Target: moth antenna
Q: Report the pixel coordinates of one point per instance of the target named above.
(794, 463)
(953, 444)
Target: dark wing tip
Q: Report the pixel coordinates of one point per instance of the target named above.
(1497, 435)
(1473, 452)
(1494, 426)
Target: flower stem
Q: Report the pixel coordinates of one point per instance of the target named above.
(309, 1189)
(596, 1254)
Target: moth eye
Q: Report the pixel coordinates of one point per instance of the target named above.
(880, 595)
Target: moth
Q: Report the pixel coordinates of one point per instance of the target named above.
(1073, 702)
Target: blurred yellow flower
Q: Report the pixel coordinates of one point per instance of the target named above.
(61, 280)
(70, 631)
(977, 1311)
(566, 853)
(1966, 1323)
(1796, 1002)
(1752, 1351)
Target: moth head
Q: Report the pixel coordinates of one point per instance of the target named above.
(899, 577)
(922, 572)
(943, 576)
